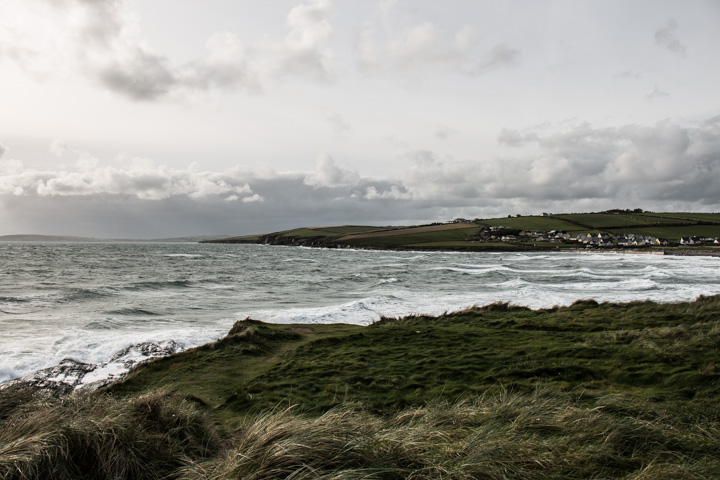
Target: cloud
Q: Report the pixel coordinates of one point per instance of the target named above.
(141, 180)
(3, 149)
(443, 132)
(516, 138)
(140, 75)
(100, 40)
(327, 174)
(665, 37)
(657, 94)
(565, 167)
(426, 47)
(339, 124)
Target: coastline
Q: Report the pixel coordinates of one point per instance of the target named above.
(630, 390)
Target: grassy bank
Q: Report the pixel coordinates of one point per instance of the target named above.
(586, 391)
(487, 234)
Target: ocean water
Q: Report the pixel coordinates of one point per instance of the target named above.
(87, 302)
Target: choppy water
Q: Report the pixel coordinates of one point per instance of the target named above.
(88, 301)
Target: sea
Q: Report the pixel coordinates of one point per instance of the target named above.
(110, 305)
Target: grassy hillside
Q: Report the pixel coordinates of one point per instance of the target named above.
(626, 391)
(476, 235)
(645, 350)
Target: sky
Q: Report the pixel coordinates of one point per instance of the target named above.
(163, 118)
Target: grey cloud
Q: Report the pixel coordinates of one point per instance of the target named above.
(516, 138)
(3, 149)
(141, 76)
(628, 75)
(100, 42)
(499, 56)
(581, 167)
(444, 132)
(339, 124)
(665, 37)
(657, 94)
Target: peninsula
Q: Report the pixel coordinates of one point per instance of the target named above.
(636, 230)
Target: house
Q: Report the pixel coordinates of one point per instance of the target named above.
(687, 241)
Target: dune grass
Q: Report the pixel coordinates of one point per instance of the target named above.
(99, 437)
(627, 391)
(544, 434)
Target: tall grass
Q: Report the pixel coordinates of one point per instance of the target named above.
(545, 434)
(98, 437)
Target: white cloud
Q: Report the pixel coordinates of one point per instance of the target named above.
(253, 198)
(327, 174)
(144, 182)
(100, 40)
(3, 149)
(566, 167)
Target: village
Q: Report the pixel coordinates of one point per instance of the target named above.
(608, 240)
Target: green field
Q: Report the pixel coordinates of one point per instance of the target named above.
(544, 224)
(674, 233)
(404, 239)
(690, 217)
(344, 230)
(601, 221)
(452, 236)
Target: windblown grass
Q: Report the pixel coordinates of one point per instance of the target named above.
(544, 434)
(98, 437)
(598, 391)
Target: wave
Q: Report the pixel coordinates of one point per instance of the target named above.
(133, 311)
(383, 281)
(86, 294)
(13, 300)
(158, 285)
(183, 255)
(359, 312)
(474, 271)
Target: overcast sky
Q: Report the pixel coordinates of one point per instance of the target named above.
(159, 118)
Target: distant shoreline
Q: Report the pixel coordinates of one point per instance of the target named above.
(636, 231)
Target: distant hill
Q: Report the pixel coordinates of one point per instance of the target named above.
(72, 239)
(44, 238)
(611, 229)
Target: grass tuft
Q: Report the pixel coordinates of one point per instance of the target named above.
(98, 437)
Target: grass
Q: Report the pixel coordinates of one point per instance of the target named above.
(544, 224)
(587, 391)
(409, 239)
(99, 437)
(394, 364)
(675, 233)
(460, 236)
